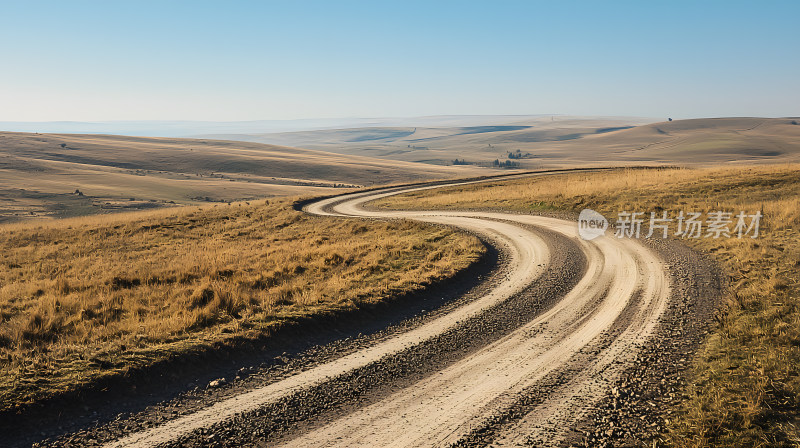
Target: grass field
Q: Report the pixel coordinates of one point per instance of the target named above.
(745, 382)
(87, 298)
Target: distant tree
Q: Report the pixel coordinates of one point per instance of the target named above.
(670, 119)
(63, 145)
(794, 121)
(518, 155)
(505, 164)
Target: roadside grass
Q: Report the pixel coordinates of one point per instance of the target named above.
(86, 298)
(744, 386)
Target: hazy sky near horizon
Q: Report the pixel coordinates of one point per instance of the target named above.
(237, 60)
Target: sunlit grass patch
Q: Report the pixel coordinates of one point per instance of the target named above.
(90, 297)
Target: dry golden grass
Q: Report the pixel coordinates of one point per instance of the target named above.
(746, 379)
(85, 298)
(646, 190)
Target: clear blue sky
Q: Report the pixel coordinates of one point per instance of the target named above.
(229, 60)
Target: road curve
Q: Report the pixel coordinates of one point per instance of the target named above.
(584, 340)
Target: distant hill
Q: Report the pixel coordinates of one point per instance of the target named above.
(44, 175)
(67, 174)
(475, 141)
(700, 142)
(548, 142)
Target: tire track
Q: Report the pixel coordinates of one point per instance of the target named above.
(443, 408)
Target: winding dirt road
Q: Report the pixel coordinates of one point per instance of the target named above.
(581, 325)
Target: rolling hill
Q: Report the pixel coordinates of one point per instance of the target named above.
(550, 142)
(44, 175)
